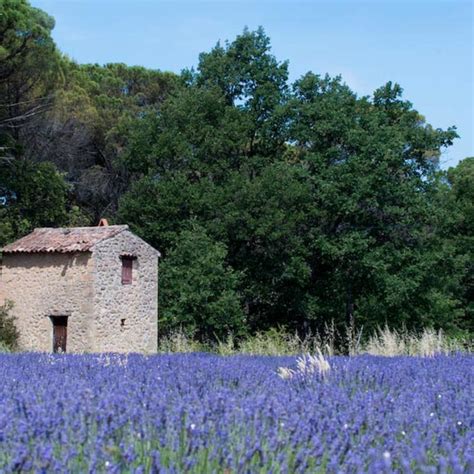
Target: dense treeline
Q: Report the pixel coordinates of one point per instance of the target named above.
(272, 203)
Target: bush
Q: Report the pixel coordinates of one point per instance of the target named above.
(8, 331)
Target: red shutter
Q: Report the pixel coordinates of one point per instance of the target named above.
(127, 270)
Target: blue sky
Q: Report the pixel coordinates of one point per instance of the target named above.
(425, 45)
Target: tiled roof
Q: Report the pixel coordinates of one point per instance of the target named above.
(73, 239)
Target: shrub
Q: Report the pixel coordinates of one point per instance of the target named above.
(8, 331)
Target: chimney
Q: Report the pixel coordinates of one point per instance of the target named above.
(103, 223)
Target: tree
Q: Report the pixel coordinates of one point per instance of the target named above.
(252, 80)
(29, 70)
(337, 223)
(75, 116)
(308, 202)
(198, 291)
(196, 133)
(31, 195)
(265, 222)
(88, 127)
(373, 164)
(459, 232)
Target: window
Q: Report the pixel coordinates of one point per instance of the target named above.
(127, 270)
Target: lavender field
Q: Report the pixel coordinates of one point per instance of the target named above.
(204, 413)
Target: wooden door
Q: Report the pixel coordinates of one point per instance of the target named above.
(59, 333)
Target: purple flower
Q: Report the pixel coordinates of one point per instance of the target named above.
(204, 413)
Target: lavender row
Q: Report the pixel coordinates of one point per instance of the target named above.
(204, 413)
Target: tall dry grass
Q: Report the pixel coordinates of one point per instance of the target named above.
(179, 341)
(277, 342)
(389, 342)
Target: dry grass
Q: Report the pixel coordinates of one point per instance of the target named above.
(307, 365)
(179, 341)
(276, 342)
(389, 342)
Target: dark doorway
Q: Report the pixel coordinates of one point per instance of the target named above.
(59, 333)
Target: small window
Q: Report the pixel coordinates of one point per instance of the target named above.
(127, 270)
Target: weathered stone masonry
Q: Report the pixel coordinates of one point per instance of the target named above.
(77, 273)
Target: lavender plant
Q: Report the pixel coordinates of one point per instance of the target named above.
(203, 413)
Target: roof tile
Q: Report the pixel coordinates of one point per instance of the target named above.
(63, 240)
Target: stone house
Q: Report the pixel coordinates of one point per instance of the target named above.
(82, 289)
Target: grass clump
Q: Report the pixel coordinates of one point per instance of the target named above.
(390, 342)
(4, 347)
(181, 342)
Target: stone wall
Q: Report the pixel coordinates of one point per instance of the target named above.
(125, 316)
(43, 285)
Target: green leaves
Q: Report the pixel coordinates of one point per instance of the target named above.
(35, 195)
(252, 80)
(325, 201)
(272, 203)
(458, 232)
(8, 330)
(198, 291)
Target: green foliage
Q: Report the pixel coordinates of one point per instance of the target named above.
(195, 132)
(459, 233)
(274, 204)
(338, 225)
(8, 331)
(251, 78)
(265, 222)
(198, 292)
(76, 116)
(372, 166)
(34, 195)
(29, 70)
(86, 131)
